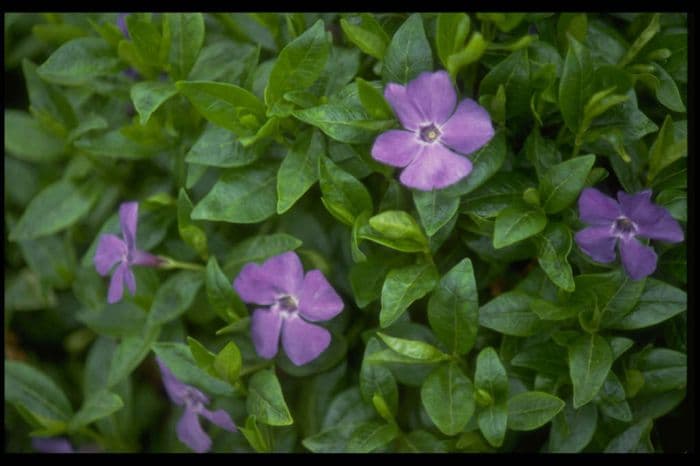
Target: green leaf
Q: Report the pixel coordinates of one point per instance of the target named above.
(503, 190)
(371, 435)
(451, 32)
(260, 247)
(344, 196)
(510, 314)
(187, 38)
(663, 370)
(55, 208)
(590, 359)
(20, 128)
(219, 147)
(375, 378)
(298, 65)
(575, 86)
(490, 376)
(265, 400)
(78, 62)
(408, 53)
(613, 293)
(202, 356)
(372, 99)
(368, 35)
(242, 195)
(541, 152)
(453, 308)
(147, 96)
(131, 351)
(544, 358)
(402, 287)
(147, 41)
(97, 406)
(573, 429)
(119, 320)
(258, 440)
(612, 401)
(113, 144)
(514, 74)
(46, 102)
(553, 247)
(667, 148)
(52, 257)
(191, 234)
(435, 209)
(178, 358)
(221, 295)
(448, 398)
(530, 410)
(344, 122)
(174, 297)
(413, 349)
(226, 105)
(659, 302)
(366, 280)
(227, 363)
(299, 169)
(546, 310)
(562, 183)
(517, 223)
(667, 92)
(396, 226)
(629, 439)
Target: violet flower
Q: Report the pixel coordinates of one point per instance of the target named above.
(189, 430)
(52, 445)
(434, 132)
(293, 300)
(121, 23)
(621, 222)
(112, 250)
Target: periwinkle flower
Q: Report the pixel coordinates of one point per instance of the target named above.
(113, 250)
(621, 222)
(293, 300)
(52, 445)
(434, 133)
(121, 24)
(189, 430)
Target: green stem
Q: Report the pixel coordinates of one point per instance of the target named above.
(170, 263)
(256, 367)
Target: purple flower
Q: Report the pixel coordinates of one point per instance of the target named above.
(434, 131)
(112, 250)
(622, 221)
(189, 430)
(293, 300)
(121, 23)
(52, 445)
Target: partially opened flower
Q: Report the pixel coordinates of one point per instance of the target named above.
(293, 300)
(112, 250)
(189, 430)
(621, 222)
(434, 134)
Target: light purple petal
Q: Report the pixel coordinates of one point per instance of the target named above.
(52, 445)
(407, 113)
(116, 284)
(144, 258)
(437, 167)
(128, 217)
(303, 342)
(129, 279)
(318, 300)
(666, 228)
(175, 389)
(190, 432)
(468, 129)
(110, 250)
(265, 326)
(121, 23)
(219, 417)
(396, 147)
(263, 284)
(639, 260)
(597, 242)
(433, 95)
(595, 208)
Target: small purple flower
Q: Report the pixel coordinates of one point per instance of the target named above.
(121, 23)
(52, 445)
(112, 250)
(189, 430)
(293, 300)
(612, 222)
(434, 131)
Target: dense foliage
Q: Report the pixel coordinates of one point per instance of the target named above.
(186, 155)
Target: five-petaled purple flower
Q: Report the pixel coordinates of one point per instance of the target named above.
(433, 130)
(189, 430)
(293, 300)
(112, 250)
(621, 222)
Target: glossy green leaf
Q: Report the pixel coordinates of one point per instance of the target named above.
(562, 183)
(575, 84)
(572, 429)
(402, 287)
(78, 61)
(174, 297)
(530, 410)
(590, 359)
(510, 314)
(408, 53)
(659, 302)
(265, 399)
(178, 358)
(147, 96)
(448, 398)
(554, 245)
(191, 233)
(413, 349)
(299, 170)
(517, 223)
(368, 35)
(435, 209)
(344, 196)
(97, 406)
(369, 436)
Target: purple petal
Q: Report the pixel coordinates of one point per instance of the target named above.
(175, 389)
(318, 300)
(265, 326)
(639, 260)
(437, 167)
(396, 147)
(145, 259)
(666, 228)
(219, 417)
(128, 216)
(263, 284)
(116, 284)
(595, 208)
(407, 113)
(303, 342)
(110, 250)
(52, 445)
(433, 95)
(121, 23)
(190, 432)
(468, 129)
(597, 242)
(129, 279)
